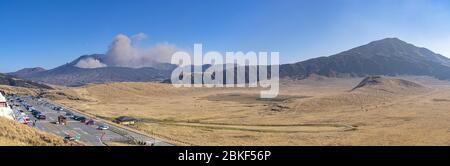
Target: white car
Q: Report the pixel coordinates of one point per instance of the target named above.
(103, 127)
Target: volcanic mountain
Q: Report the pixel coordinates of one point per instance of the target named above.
(389, 56)
(71, 75)
(26, 72)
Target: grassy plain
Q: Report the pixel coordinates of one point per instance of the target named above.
(314, 111)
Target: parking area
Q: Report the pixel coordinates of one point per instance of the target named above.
(49, 117)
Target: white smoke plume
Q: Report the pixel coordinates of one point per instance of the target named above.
(123, 53)
(89, 63)
(139, 37)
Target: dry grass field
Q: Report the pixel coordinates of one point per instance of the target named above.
(314, 111)
(19, 90)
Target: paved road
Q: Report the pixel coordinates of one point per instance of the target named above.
(88, 134)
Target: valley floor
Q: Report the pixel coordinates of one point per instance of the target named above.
(315, 111)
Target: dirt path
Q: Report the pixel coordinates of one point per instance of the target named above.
(290, 128)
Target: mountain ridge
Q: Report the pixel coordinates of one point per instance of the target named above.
(27, 72)
(389, 56)
(13, 81)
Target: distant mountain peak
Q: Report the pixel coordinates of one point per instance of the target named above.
(389, 56)
(33, 69)
(391, 39)
(27, 71)
(394, 47)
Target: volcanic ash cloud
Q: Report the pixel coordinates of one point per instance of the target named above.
(90, 63)
(123, 53)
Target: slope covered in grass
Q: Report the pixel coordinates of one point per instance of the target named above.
(15, 134)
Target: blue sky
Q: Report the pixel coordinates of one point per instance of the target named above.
(49, 33)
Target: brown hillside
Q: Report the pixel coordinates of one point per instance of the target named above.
(392, 85)
(15, 134)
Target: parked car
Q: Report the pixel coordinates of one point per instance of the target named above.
(35, 112)
(79, 118)
(82, 119)
(103, 127)
(69, 115)
(58, 109)
(41, 117)
(90, 122)
(69, 138)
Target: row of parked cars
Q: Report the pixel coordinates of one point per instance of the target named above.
(68, 114)
(35, 112)
(83, 119)
(31, 109)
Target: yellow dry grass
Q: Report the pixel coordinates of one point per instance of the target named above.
(315, 111)
(19, 90)
(15, 134)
